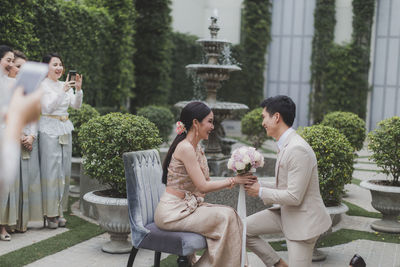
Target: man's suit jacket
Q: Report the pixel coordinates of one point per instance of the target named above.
(303, 212)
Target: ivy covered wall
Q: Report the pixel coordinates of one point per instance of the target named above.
(340, 72)
(247, 86)
(153, 56)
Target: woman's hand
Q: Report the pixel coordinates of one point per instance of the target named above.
(78, 82)
(246, 178)
(27, 142)
(68, 84)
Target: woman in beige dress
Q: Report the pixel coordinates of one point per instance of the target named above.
(182, 206)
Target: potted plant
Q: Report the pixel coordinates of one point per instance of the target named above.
(103, 141)
(335, 157)
(384, 142)
(349, 124)
(78, 117)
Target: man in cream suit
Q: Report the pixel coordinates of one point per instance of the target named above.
(298, 210)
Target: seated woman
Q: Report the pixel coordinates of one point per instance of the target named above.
(186, 174)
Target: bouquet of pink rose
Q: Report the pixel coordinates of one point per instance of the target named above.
(245, 159)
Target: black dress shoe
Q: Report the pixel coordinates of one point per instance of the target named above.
(357, 261)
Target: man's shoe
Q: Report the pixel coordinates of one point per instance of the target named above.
(357, 261)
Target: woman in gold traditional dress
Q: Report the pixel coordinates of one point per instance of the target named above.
(186, 175)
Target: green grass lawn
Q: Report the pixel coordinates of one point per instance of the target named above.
(79, 231)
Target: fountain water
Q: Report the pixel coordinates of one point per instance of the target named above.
(212, 73)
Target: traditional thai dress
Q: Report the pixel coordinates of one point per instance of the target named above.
(220, 224)
(55, 145)
(30, 195)
(9, 184)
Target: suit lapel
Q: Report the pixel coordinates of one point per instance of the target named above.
(280, 155)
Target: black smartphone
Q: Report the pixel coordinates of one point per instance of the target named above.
(31, 75)
(72, 75)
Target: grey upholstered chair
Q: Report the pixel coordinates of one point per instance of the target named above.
(144, 188)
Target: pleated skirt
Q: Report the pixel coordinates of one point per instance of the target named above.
(55, 173)
(220, 225)
(30, 196)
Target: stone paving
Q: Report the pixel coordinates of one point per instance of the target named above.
(88, 253)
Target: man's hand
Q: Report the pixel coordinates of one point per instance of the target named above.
(252, 190)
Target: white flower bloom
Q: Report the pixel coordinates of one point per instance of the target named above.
(239, 165)
(243, 150)
(246, 159)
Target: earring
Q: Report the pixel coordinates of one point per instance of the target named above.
(197, 132)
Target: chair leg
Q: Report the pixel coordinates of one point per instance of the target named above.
(132, 256)
(183, 261)
(157, 258)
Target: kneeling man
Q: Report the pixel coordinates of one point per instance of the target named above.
(299, 211)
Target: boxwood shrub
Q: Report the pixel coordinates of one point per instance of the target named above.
(349, 124)
(105, 138)
(335, 160)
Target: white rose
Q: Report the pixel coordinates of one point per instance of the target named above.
(257, 157)
(239, 165)
(243, 150)
(246, 159)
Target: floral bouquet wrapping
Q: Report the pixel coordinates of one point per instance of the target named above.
(244, 159)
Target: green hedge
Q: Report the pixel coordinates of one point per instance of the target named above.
(84, 35)
(153, 56)
(340, 72)
(247, 86)
(162, 117)
(185, 51)
(252, 127)
(324, 28)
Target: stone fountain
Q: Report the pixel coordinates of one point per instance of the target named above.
(212, 73)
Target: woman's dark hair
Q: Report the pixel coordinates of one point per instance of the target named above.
(19, 54)
(193, 110)
(4, 49)
(47, 58)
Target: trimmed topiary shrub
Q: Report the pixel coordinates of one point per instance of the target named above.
(162, 117)
(384, 142)
(335, 160)
(252, 127)
(349, 124)
(78, 117)
(103, 141)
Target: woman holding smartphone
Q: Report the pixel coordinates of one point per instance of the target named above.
(55, 142)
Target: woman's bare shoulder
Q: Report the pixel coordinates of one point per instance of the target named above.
(183, 150)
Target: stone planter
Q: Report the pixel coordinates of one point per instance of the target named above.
(336, 215)
(385, 199)
(114, 218)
